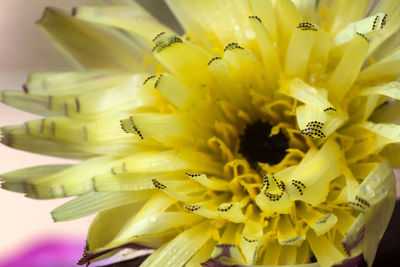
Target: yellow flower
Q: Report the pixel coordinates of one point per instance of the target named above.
(265, 135)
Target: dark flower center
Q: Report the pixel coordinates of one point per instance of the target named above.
(257, 146)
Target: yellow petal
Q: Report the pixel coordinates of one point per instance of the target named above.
(287, 234)
(268, 50)
(179, 250)
(272, 253)
(319, 222)
(202, 254)
(264, 10)
(325, 252)
(299, 50)
(287, 19)
(251, 241)
(335, 15)
(377, 219)
(385, 69)
(346, 72)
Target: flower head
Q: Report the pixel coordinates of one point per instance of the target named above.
(264, 135)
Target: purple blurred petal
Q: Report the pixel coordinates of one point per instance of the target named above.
(47, 253)
(351, 262)
(126, 257)
(89, 256)
(214, 263)
(354, 240)
(128, 263)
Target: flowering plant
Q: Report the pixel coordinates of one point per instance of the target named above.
(265, 135)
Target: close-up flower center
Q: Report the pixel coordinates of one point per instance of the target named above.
(258, 137)
(257, 145)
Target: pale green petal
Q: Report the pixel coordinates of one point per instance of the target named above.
(387, 113)
(392, 9)
(15, 180)
(133, 18)
(377, 219)
(74, 82)
(105, 227)
(17, 137)
(88, 45)
(377, 185)
(385, 69)
(121, 97)
(93, 202)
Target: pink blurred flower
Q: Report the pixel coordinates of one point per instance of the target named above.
(47, 253)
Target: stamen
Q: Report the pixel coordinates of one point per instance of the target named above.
(330, 108)
(148, 78)
(358, 205)
(226, 208)
(265, 182)
(192, 207)
(306, 26)
(314, 129)
(291, 240)
(363, 36)
(214, 58)
(158, 81)
(157, 36)
(232, 46)
(161, 46)
(383, 23)
(375, 22)
(363, 201)
(135, 128)
(324, 219)
(273, 197)
(250, 240)
(299, 186)
(158, 185)
(192, 175)
(255, 17)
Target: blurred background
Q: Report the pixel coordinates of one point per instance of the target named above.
(25, 223)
